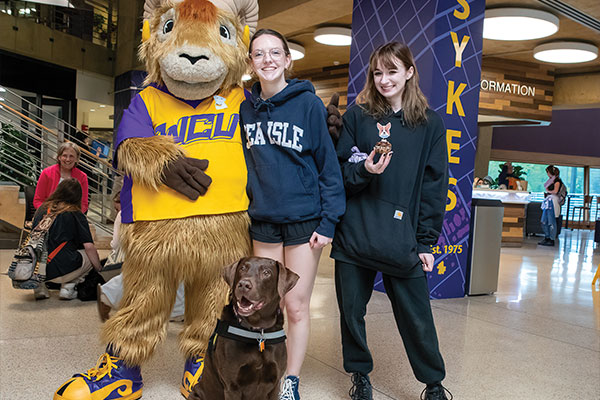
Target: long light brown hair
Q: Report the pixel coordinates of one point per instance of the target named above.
(414, 102)
(66, 197)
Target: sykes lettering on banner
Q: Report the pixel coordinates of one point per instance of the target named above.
(453, 101)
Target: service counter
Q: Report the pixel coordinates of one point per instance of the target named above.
(515, 205)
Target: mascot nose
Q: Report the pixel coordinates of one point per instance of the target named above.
(193, 60)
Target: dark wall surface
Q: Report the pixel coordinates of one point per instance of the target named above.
(572, 132)
(24, 73)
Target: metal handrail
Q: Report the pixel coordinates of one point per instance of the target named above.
(20, 122)
(21, 115)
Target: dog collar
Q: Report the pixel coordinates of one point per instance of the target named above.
(239, 334)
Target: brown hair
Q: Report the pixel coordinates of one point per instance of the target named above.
(286, 46)
(66, 197)
(67, 145)
(414, 102)
(552, 170)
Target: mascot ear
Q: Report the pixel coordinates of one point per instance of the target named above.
(246, 36)
(145, 30)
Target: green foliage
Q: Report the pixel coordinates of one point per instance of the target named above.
(15, 157)
(536, 176)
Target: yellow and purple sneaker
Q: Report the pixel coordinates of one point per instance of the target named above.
(110, 379)
(191, 374)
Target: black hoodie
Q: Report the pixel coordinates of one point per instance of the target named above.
(392, 217)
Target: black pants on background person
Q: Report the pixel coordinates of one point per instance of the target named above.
(412, 312)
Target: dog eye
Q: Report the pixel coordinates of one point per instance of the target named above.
(267, 273)
(224, 31)
(168, 26)
(244, 268)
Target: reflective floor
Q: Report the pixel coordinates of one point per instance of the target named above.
(538, 337)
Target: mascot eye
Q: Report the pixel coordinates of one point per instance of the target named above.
(224, 31)
(168, 27)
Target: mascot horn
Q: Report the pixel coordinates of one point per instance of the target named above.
(184, 196)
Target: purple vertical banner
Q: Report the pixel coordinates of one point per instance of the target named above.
(446, 38)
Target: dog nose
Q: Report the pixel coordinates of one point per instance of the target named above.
(193, 60)
(245, 284)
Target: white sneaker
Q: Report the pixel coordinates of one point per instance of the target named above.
(68, 291)
(41, 292)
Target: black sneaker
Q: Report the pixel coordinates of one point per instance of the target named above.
(547, 242)
(435, 392)
(361, 387)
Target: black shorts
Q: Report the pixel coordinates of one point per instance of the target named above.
(289, 234)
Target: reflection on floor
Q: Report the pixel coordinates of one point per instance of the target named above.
(538, 337)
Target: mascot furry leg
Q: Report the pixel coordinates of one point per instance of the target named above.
(184, 195)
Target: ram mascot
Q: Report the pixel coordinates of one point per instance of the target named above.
(184, 196)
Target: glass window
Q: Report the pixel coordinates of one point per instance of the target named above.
(535, 175)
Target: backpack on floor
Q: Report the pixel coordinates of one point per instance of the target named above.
(28, 268)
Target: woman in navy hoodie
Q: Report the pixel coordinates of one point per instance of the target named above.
(294, 182)
(394, 215)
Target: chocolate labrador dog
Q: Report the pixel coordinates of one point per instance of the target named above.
(246, 357)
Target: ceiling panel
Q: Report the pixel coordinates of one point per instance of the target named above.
(298, 19)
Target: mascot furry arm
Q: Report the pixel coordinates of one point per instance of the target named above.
(147, 158)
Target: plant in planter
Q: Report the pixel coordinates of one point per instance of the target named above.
(16, 163)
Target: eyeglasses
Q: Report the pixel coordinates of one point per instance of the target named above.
(276, 53)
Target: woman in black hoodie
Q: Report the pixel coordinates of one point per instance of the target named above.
(394, 214)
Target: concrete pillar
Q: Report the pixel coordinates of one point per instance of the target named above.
(484, 150)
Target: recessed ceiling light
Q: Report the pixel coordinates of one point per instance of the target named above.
(518, 24)
(92, 109)
(297, 51)
(102, 106)
(246, 77)
(565, 52)
(334, 36)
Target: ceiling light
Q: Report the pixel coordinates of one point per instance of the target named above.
(92, 110)
(246, 77)
(518, 24)
(2, 90)
(565, 52)
(297, 51)
(334, 36)
(102, 106)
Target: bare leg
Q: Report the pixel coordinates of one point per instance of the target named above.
(304, 261)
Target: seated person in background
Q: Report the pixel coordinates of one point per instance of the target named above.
(70, 236)
(110, 294)
(505, 173)
(67, 158)
(477, 182)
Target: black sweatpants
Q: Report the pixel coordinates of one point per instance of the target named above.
(412, 311)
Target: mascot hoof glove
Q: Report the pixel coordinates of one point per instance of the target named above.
(110, 379)
(191, 375)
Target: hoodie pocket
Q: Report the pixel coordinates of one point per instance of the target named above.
(282, 192)
(379, 230)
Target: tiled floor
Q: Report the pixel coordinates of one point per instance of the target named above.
(538, 337)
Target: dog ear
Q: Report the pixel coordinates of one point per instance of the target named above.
(229, 272)
(287, 279)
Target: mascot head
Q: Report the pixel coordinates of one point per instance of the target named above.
(197, 47)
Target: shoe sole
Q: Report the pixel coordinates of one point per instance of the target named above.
(184, 392)
(133, 396)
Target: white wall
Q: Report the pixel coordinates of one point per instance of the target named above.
(94, 87)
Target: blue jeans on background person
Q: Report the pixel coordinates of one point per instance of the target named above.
(548, 220)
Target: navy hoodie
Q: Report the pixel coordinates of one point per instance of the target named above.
(293, 172)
